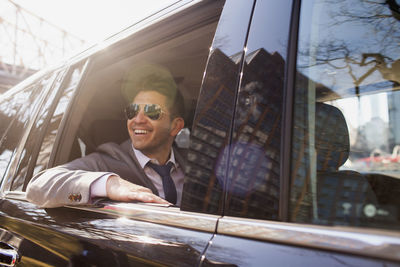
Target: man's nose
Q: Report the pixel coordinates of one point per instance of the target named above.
(140, 117)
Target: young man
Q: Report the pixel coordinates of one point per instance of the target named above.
(145, 168)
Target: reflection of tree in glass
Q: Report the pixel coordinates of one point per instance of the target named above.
(377, 17)
(357, 34)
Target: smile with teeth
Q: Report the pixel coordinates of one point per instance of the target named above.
(137, 131)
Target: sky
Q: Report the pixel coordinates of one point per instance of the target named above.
(93, 20)
(89, 20)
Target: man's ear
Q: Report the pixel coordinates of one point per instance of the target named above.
(177, 124)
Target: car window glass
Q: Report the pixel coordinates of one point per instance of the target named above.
(254, 166)
(9, 124)
(34, 139)
(346, 135)
(66, 94)
(206, 169)
(20, 109)
(44, 140)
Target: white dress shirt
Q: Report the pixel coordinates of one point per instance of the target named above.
(98, 187)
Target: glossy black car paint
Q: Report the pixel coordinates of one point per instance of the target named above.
(69, 237)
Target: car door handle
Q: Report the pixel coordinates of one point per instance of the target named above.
(9, 256)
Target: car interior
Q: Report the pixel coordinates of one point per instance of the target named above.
(344, 195)
(98, 114)
(340, 193)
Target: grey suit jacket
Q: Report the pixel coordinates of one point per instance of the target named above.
(70, 183)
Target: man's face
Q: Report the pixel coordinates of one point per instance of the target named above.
(151, 137)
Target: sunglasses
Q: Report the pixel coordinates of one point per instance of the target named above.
(152, 111)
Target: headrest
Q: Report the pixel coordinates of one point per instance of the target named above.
(108, 130)
(331, 137)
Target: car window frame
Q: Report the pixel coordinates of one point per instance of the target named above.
(286, 111)
(218, 49)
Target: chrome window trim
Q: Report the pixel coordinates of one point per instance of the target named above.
(374, 243)
(160, 214)
(154, 213)
(171, 216)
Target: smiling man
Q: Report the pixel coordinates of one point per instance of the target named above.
(145, 168)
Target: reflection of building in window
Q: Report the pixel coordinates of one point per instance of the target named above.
(210, 134)
(255, 151)
(253, 169)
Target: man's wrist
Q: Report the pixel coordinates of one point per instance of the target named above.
(99, 187)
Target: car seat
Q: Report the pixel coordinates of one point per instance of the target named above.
(344, 197)
(105, 130)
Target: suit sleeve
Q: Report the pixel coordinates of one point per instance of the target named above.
(67, 184)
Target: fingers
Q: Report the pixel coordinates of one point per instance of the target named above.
(121, 190)
(148, 197)
(138, 188)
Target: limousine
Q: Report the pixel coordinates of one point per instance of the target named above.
(292, 137)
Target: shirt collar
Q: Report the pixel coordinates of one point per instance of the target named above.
(143, 159)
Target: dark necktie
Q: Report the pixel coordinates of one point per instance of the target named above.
(168, 184)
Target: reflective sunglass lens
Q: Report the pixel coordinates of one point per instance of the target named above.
(152, 111)
(132, 110)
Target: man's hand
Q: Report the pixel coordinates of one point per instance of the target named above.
(121, 190)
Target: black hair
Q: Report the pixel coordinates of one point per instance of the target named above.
(165, 86)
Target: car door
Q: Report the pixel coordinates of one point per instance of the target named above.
(113, 234)
(36, 126)
(311, 153)
(125, 234)
(24, 106)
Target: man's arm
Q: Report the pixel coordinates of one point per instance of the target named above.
(61, 186)
(70, 184)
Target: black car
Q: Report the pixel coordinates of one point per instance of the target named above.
(293, 140)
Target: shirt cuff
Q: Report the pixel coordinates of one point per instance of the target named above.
(98, 187)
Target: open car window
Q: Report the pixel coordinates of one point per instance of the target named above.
(97, 114)
(101, 107)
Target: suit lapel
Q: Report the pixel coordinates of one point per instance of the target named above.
(135, 173)
(127, 147)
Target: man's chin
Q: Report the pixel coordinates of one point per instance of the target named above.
(138, 146)
(141, 146)
(140, 141)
